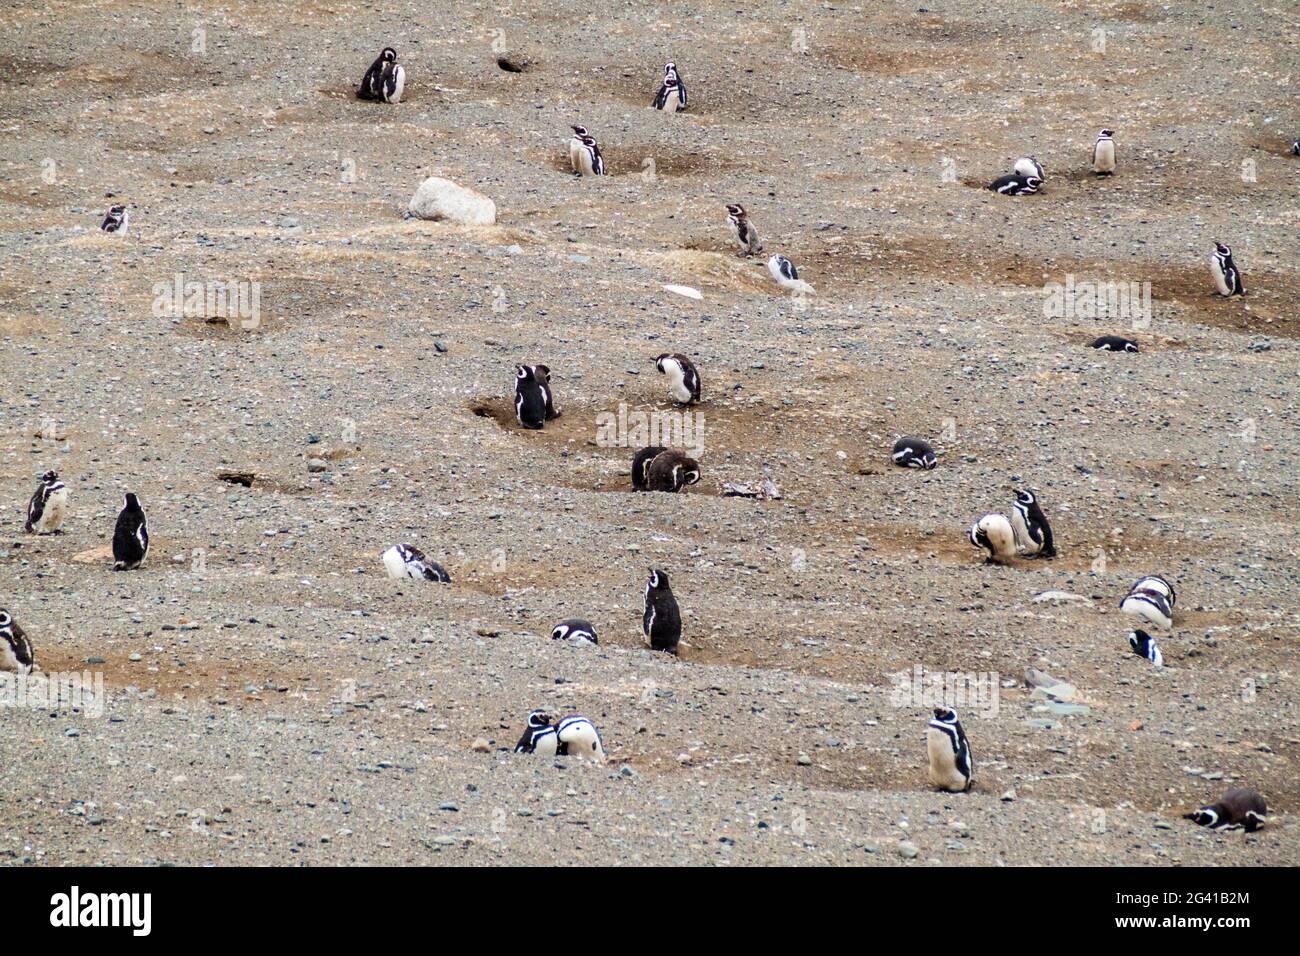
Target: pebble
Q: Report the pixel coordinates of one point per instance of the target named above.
(908, 850)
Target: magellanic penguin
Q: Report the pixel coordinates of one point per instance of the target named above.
(16, 652)
(408, 561)
(951, 766)
(590, 160)
(1151, 605)
(1033, 533)
(48, 507)
(993, 533)
(787, 276)
(130, 536)
(576, 149)
(534, 405)
(1154, 582)
(683, 380)
(1144, 645)
(662, 621)
(743, 230)
(1015, 185)
(117, 220)
(1114, 343)
(641, 467)
(1103, 153)
(1029, 166)
(575, 629)
(671, 97)
(539, 736)
(1227, 277)
(672, 471)
(579, 738)
(914, 453)
(385, 80)
(1238, 809)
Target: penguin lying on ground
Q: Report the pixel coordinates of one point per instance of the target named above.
(1238, 809)
(408, 561)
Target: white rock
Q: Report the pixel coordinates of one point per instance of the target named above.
(442, 199)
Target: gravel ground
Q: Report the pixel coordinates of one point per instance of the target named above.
(274, 699)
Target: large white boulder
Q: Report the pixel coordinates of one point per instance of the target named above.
(439, 198)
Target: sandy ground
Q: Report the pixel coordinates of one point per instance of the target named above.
(272, 698)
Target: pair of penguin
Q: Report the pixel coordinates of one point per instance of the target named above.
(1238, 809)
(663, 469)
(571, 736)
(1151, 598)
(385, 81)
(116, 221)
(48, 506)
(1027, 532)
(1226, 275)
(584, 154)
(914, 453)
(952, 767)
(671, 97)
(1026, 179)
(534, 404)
(403, 561)
(16, 652)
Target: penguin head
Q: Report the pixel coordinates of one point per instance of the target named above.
(50, 477)
(560, 631)
(670, 71)
(1206, 816)
(523, 372)
(686, 473)
(579, 131)
(1033, 182)
(1106, 134)
(736, 209)
(389, 55)
(1026, 497)
(539, 718)
(131, 502)
(1130, 346)
(1222, 249)
(658, 580)
(6, 620)
(945, 715)
(661, 359)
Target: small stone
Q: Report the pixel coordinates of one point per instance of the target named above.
(804, 760)
(1009, 796)
(907, 850)
(316, 465)
(480, 745)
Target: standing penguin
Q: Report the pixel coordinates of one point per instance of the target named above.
(539, 736)
(48, 506)
(683, 380)
(1227, 278)
(672, 471)
(575, 629)
(672, 91)
(534, 406)
(1103, 153)
(130, 536)
(590, 160)
(578, 737)
(914, 453)
(1029, 524)
(385, 80)
(16, 652)
(116, 221)
(993, 533)
(1238, 809)
(743, 230)
(951, 766)
(576, 148)
(662, 621)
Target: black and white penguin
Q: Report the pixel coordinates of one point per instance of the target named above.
(1029, 166)
(1114, 343)
(575, 629)
(683, 380)
(914, 453)
(130, 536)
(385, 80)
(576, 148)
(116, 220)
(1029, 524)
(662, 621)
(786, 275)
(993, 533)
(641, 467)
(539, 736)
(743, 230)
(1151, 605)
(1103, 153)
(48, 506)
(672, 471)
(671, 97)
(408, 561)
(534, 405)
(16, 652)
(1238, 809)
(590, 160)
(1154, 582)
(1227, 277)
(1295, 148)
(1144, 645)
(1016, 185)
(579, 738)
(951, 766)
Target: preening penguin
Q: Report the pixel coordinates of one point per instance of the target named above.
(1103, 153)
(408, 561)
(1227, 277)
(743, 230)
(1154, 582)
(116, 220)
(575, 629)
(579, 738)
(576, 148)
(48, 506)
(641, 467)
(672, 471)
(539, 736)
(662, 621)
(16, 652)
(1029, 524)
(951, 766)
(1144, 645)
(385, 80)
(786, 275)
(1114, 343)
(914, 453)
(1016, 185)
(534, 405)
(683, 379)
(993, 533)
(1239, 809)
(130, 536)
(1029, 166)
(1151, 605)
